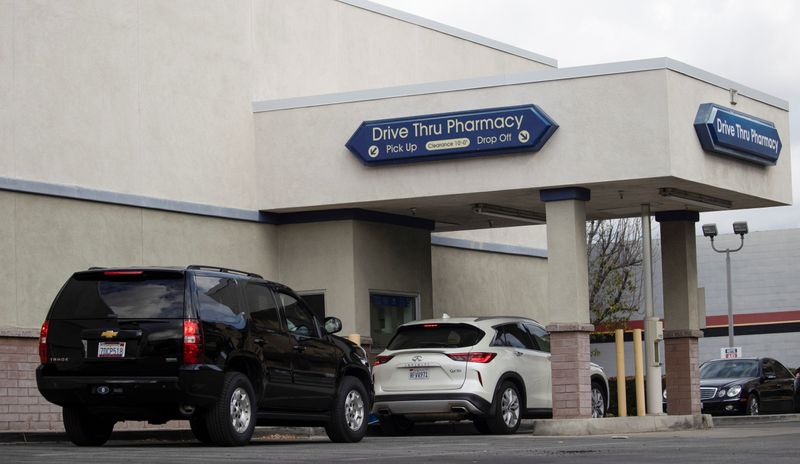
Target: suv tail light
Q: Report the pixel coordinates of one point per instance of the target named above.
(43, 342)
(381, 359)
(192, 341)
(475, 357)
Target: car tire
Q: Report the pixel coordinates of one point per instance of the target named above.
(598, 400)
(199, 425)
(232, 420)
(395, 426)
(349, 413)
(85, 429)
(505, 413)
(753, 405)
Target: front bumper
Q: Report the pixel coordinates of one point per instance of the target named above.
(722, 406)
(432, 404)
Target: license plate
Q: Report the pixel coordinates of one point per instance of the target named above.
(418, 374)
(111, 350)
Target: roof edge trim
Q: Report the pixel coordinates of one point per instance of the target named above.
(450, 30)
(531, 77)
(487, 247)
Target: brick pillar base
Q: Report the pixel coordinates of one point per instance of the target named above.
(569, 363)
(683, 375)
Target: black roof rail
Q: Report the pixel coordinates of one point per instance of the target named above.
(224, 269)
(95, 268)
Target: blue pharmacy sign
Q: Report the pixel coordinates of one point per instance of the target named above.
(728, 132)
(452, 135)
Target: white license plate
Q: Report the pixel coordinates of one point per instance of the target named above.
(111, 350)
(418, 374)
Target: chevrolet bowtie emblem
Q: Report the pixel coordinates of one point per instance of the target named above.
(109, 334)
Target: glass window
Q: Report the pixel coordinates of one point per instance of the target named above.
(386, 314)
(262, 307)
(316, 303)
(299, 320)
(768, 367)
(729, 368)
(540, 336)
(435, 336)
(149, 295)
(217, 300)
(781, 371)
(512, 335)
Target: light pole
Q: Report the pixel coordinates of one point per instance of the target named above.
(710, 231)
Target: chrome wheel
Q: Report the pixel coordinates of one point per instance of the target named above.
(354, 410)
(752, 406)
(598, 403)
(240, 410)
(509, 407)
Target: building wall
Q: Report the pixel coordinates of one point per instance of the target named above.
(336, 47)
(391, 259)
(319, 256)
(472, 283)
(43, 240)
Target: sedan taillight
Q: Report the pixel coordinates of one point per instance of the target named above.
(475, 357)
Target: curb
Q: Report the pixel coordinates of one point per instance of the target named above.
(722, 421)
(293, 433)
(620, 425)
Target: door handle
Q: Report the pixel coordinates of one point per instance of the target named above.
(259, 341)
(299, 348)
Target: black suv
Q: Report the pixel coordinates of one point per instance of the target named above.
(222, 348)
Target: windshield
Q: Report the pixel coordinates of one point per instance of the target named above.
(729, 369)
(435, 336)
(145, 295)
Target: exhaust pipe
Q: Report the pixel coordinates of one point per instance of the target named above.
(383, 412)
(458, 409)
(186, 409)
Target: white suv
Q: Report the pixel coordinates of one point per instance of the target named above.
(491, 370)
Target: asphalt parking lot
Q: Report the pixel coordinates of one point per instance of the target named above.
(772, 442)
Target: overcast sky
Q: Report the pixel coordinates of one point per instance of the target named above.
(754, 43)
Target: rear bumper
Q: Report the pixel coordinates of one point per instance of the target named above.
(432, 404)
(133, 397)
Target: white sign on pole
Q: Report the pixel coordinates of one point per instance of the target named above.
(730, 352)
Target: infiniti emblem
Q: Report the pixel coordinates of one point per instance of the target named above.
(103, 390)
(417, 358)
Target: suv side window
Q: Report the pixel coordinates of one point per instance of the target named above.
(262, 307)
(540, 336)
(299, 319)
(217, 299)
(512, 335)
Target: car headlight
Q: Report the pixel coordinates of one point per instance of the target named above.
(362, 355)
(664, 394)
(734, 391)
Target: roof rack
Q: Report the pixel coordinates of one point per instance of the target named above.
(95, 268)
(224, 269)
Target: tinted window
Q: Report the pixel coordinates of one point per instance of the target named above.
(217, 300)
(299, 320)
(781, 371)
(150, 295)
(262, 307)
(540, 336)
(512, 335)
(435, 336)
(729, 369)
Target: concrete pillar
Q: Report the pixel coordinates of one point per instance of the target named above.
(568, 301)
(681, 323)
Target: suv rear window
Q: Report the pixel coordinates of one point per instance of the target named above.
(149, 295)
(435, 336)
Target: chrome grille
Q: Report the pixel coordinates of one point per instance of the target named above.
(707, 393)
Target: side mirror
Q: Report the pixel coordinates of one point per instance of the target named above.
(332, 325)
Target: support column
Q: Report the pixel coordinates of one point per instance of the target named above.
(568, 301)
(681, 325)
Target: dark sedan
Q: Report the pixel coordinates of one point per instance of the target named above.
(747, 386)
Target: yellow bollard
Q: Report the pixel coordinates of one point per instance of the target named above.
(619, 341)
(639, 369)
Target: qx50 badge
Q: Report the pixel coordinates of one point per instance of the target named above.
(109, 334)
